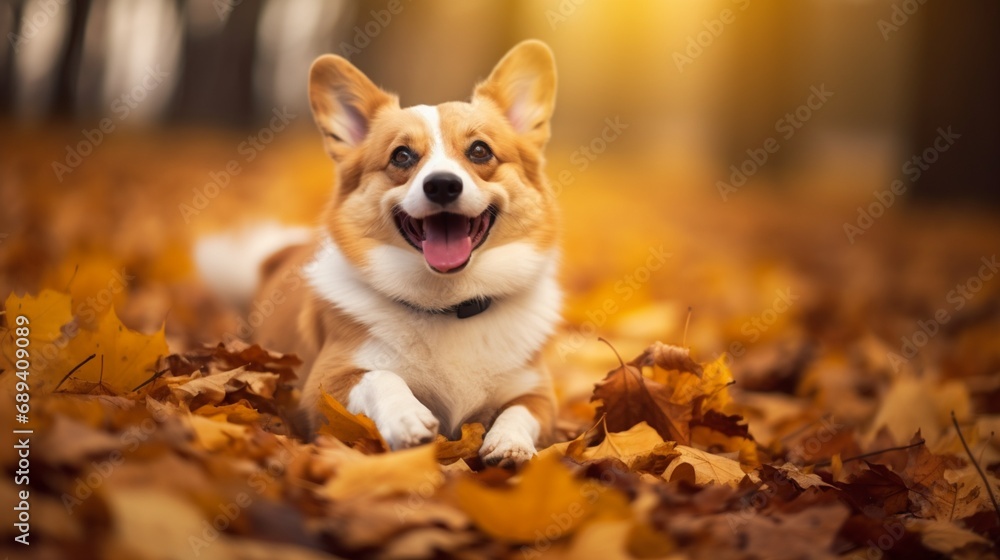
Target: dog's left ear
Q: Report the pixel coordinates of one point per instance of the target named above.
(523, 86)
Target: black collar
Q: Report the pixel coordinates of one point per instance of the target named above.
(463, 310)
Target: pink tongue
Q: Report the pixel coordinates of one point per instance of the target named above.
(447, 244)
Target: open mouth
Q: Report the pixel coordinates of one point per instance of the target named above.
(446, 240)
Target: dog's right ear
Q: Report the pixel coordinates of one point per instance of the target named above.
(343, 102)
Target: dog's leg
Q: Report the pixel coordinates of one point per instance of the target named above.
(523, 424)
(402, 420)
(381, 395)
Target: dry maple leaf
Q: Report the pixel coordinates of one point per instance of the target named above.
(466, 447)
(637, 446)
(126, 358)
(878, 487)
(201, 390)
(216, 433)
(528, 511)
(46, 314)
(700, 467)
(411, 471)
(356, 430)
(628, 398)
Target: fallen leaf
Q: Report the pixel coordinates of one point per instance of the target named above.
(877, 487)
(216, 433)
(627, 398)
(201, 390)
(124, 358)
(352, 429)
(634, 446)
(466, 447)
(944, 536)
(360, 476)
(700, 467)
(548, 502)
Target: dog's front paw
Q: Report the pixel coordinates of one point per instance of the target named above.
(507, 448)
(408, 426)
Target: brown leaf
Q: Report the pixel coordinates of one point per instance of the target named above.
(547, 490)
(466, 447)
(199, 390)
(356, 430)
(700, 467)
(879, 488)
(627, 398)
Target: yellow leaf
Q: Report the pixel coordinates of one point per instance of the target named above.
(465, 448)
(712, 439)
(700, 467)
(628, 447)
(375, 476)
(46, 315)
(239, 413)
(125, 358)
(216, 433)
(548, 500)
(348, 428)
(716, 380)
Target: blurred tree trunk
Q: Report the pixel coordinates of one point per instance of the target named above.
(216, 84)
(957, 84)
(68, 71)
(7, 64)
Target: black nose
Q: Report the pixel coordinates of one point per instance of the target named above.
(442, 187)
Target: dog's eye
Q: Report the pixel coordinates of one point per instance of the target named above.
(479, 152)
(403, 157)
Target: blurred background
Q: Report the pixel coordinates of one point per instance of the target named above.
(837, 150)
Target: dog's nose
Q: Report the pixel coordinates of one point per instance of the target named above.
(442, 187)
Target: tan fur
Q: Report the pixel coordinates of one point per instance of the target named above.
(361, 125)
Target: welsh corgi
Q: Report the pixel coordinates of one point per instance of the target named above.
(430, 291)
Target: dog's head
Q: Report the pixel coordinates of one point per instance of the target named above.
(436, 204)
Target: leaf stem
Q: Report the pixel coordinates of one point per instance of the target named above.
(873, 453)
(982, 475)
(72, 371)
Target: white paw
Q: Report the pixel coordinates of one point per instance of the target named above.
(408, 426)
(507, 447)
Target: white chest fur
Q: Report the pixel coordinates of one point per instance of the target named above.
(458, 368)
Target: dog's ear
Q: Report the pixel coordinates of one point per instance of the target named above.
(523, 86)
(343, 102)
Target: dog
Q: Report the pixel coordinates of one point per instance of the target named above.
(430, 291)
